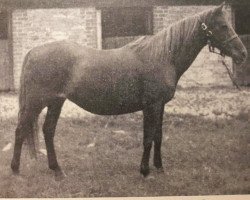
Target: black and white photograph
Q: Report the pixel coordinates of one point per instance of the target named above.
(125, 98)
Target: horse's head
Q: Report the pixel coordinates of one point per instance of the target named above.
(221, 35)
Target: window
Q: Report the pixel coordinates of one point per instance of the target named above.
(120, 22)
(242, 19)
(3, 25)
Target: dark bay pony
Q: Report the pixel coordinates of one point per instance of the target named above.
(141, 76)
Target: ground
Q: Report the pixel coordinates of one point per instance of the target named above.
(205, 150)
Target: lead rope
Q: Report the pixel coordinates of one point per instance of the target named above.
(230, 74)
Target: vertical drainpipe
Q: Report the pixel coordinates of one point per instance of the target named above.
(99, 28)
(10, 49)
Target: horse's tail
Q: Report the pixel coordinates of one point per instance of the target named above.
(32, 135)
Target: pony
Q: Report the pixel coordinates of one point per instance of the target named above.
(140, 76)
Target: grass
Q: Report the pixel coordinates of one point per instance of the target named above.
(200, 157)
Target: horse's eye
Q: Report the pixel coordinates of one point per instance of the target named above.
(224, 27)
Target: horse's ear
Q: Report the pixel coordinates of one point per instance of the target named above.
(222, 5)
(220, 8)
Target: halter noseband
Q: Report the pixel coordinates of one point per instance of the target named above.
(209, 35)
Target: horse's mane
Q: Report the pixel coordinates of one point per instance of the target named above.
(162, 45)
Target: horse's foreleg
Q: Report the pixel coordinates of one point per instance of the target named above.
(158, 141)
(151, 122)
(49, 128)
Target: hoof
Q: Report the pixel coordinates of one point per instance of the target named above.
(144, 171)
(15, 172)
(59, 175)
(15, 169)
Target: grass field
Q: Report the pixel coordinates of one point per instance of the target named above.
(200, 156)
(206, 150)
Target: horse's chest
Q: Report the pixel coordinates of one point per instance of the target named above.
(158, 91)
(160, 86)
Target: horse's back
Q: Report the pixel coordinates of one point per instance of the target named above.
(63, 55)
(62, 68)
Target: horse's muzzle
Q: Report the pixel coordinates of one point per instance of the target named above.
(240, 58)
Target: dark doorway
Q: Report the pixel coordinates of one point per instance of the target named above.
(122, 25)
(5, 64)
(242, 27)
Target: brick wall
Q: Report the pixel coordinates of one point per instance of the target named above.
(34, 27)
(207, 69)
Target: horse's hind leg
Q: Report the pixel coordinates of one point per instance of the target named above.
(33, 139)
(25, 128)
(49, 127)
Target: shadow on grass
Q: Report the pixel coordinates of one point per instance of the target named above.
(200, 157)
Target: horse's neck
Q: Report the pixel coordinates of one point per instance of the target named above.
(175, 47)
(188, 51)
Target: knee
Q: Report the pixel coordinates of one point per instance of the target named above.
(48, 132)
(47, 129)
(158, 139)
(20, 132)
(147, 144)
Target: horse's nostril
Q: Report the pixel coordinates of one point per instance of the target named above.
(244, 53)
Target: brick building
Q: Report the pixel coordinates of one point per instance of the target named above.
(25, 24)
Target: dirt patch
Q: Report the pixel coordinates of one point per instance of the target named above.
(209, 103)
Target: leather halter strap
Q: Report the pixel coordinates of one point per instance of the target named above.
(230, 39)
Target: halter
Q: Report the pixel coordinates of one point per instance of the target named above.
(209, 35)
(211, 48)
